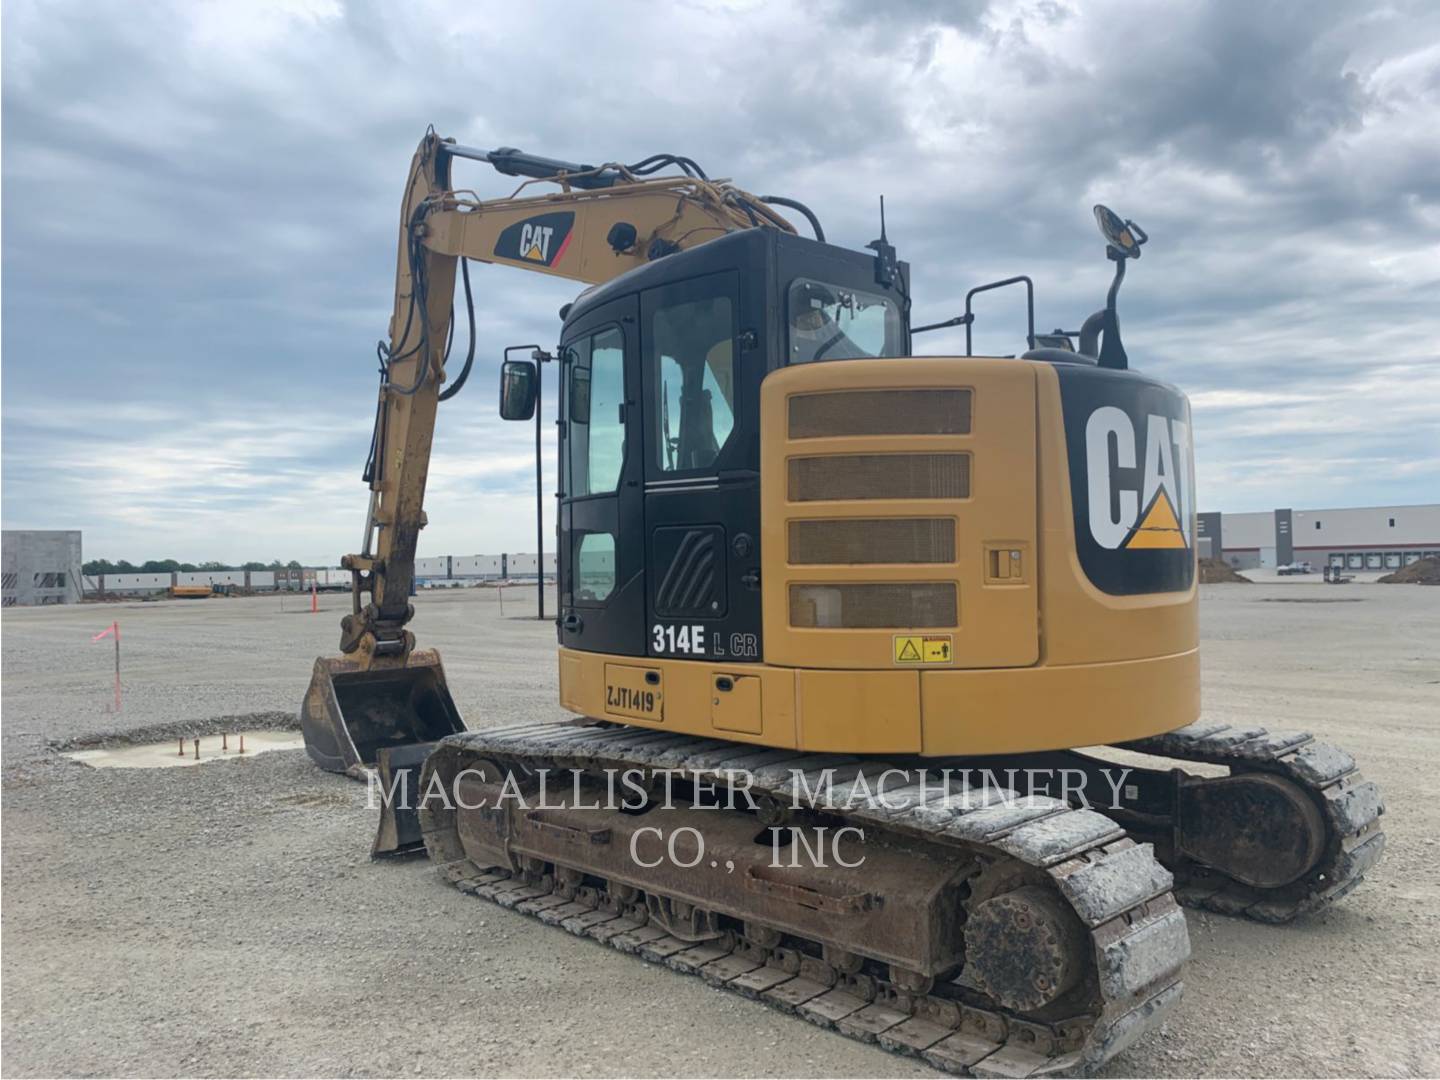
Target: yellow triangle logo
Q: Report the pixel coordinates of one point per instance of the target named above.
(1159, 528)
(534, 253)
(908, 651)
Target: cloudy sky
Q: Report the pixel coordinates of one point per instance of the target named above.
(200, 203)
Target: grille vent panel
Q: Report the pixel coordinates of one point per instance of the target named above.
(860, 541)
(874, 606)
(880, 412)
(879, 476)
(694, 561)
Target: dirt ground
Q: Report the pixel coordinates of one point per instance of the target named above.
(225, 920)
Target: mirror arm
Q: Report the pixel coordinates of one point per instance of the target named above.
(1089, 343)
(535, 351)
(958, 320)
(1112, 351)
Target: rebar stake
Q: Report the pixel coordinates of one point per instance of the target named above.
(242, 742)
(197, 747)
(182, 745)
(224, 742)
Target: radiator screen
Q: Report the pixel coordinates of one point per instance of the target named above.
(880, 412)
(879, 476)
(855, 541)
(897, 606)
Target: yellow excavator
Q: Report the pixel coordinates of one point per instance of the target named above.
(835, 621)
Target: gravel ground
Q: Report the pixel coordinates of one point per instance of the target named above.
(225, 920)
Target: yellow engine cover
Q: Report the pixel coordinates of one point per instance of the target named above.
(959, 556)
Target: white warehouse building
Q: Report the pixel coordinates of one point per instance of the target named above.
(1370, 538)
(512, 566)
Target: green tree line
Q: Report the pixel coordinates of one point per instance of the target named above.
(166, 566)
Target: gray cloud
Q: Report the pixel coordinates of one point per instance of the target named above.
(200, 205)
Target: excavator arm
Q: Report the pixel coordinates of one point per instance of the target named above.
(601, 222)
(383, 702)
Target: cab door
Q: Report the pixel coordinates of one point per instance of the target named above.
(702, 367)
(601, 518)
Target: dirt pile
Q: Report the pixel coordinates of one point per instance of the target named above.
(1423, 572)
(1219, 572)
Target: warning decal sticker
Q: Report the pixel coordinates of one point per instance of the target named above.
(924, 649)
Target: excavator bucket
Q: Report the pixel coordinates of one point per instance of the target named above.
(384, 720)
(350, 714)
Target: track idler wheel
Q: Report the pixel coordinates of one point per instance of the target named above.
(1024, 948)
(1259, 829)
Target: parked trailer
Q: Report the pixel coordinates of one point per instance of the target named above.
(295, 580)
(437, 566)
(332, 579)
(211, 577)
(522, 565)
(134, 584)
(484, 567)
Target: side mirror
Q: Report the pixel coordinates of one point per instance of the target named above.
(1125, 237)
(519, 381)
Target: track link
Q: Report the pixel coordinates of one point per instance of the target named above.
(1350, 807)
(1135, 936)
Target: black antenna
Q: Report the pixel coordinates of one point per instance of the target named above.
(886, 268)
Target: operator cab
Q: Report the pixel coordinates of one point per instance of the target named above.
(659, 448)
(659, 432)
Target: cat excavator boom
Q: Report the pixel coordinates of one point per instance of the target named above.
(602, 222)
(583, 222)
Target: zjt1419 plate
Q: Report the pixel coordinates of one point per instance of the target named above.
(635, 692)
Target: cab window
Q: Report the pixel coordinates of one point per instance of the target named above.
(834, 322)
(690, 372)
(594, 568)
(595, 392)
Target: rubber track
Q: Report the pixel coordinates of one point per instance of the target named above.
(1352, 808)
(1114, 886)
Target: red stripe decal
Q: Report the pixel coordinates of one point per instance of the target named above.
(561, 253)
